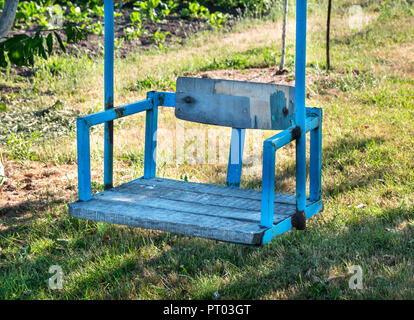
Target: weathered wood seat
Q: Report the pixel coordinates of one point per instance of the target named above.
(204, 210)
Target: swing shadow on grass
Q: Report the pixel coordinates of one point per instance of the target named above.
(338, 157)
(297, 265)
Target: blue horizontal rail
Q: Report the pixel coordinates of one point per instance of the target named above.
(282, 138)
(164, 99)
(116, 113)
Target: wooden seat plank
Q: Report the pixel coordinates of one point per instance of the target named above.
(195, 197)
(182, 205)
(213, 189)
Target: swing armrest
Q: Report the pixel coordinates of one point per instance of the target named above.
(154, 99)
(270, 146)
(84, 124)
(115, 113)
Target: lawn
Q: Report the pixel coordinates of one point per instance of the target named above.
(368, 168)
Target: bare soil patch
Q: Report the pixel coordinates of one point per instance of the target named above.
(6, 91)
(273, 75)
(31, 188)
(264, 75)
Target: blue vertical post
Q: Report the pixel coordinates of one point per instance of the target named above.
(84, 161)
(301, 8)
(234, 168)
(109, 92)
(315, 189)
(268, 185)
(150, 157)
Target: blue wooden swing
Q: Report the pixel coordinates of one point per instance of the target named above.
(209, 211)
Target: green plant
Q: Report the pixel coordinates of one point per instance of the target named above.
(321, 289)
(98, 187)
(135, 29)
(217, 19)
(98, 10)
(132, 33)
(54, 17)
(195, 10)
(118, 43)
(133, 158)
(20, 147)
(78, 16)
(159, 38)
(168, 8)
(257, 8)
(136, 19)
(102, 228)
(28, 12)
(96, 28)
(149, 7)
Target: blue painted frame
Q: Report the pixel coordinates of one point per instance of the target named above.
(234, 168)
(109, 92)
(306, 120)
(300, 63)
(150, 156)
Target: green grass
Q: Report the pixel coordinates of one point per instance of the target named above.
(151, 83)
(368, 178)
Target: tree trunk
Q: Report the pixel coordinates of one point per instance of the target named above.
(328, 37)
(282, 60)
(7, 17)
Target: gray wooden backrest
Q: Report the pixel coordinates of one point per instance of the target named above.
(236, 104)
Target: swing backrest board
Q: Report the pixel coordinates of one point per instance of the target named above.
(236, 104)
